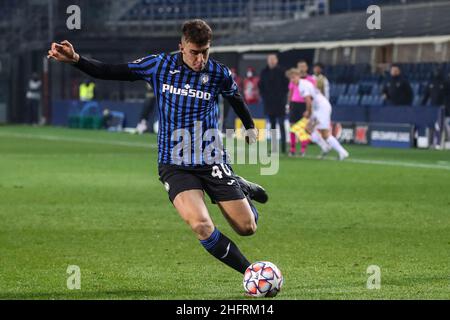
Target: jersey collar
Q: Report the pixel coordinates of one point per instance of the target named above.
(180, 63)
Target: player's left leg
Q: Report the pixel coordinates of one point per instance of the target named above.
(296, 111)
(334, 143)
(304, 146)
(316, 138)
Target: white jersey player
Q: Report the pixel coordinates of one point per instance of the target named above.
(318, 109)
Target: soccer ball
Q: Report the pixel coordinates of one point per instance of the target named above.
(262, 279)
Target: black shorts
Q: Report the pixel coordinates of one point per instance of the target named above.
(216, 180)
(296, 110)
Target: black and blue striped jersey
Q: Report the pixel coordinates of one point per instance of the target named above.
(188, 105)
(187, 102)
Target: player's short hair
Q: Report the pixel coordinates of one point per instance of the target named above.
(292, 71)
(319, 64)
(197, 31)
(302, 61)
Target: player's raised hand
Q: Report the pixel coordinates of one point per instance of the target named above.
(63, 52)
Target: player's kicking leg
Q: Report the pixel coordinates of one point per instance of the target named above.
(241, 215)
(252, 190)
(191, 207)
(325, 148)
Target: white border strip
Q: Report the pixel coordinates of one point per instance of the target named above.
(331, 44)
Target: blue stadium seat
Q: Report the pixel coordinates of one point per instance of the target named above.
(354, 100)
(366, 100)
(417, 101)
(415, 86)
(378, 100)
(342, 100)
(353, 89)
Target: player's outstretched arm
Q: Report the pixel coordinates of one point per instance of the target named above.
(64, 52)
(241, 109)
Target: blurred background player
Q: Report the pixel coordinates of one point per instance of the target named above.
(33, 99)
(435, 90)
(250, 87)
(322, 82)
(318, 110)
(300, 129)
(147, 111)
(397, 91)
(87, 90)
(296, 103)
(273, 87)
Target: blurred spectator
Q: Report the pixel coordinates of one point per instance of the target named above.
(273, 87)
(322, 82)
(236, 78)
(33, 99)
(147, 111)
(398, 91)
(250, 87)
(87, 90)
(296, 103)
(107, 120)
(447, 105)
(435, 91)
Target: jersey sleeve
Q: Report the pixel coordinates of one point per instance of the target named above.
(229, 86)
(306, 89)
(144, 68)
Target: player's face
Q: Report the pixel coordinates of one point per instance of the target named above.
(395, 71)
(195, 56)
(272, 61)
(303, 67)
(295, 78)
(317, 70)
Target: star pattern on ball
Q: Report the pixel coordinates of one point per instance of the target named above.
(262, 279)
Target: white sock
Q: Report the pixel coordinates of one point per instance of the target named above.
(334, 143)
(317, 139)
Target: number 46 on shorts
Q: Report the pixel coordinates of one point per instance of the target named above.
(217, 173)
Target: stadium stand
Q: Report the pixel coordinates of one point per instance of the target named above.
(217, 9)
(398, 21)
(350, 87)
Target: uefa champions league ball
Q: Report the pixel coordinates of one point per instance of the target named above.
(262, 279)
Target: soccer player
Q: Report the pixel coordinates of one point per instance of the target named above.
(186, 86)
(297, 105)
(318, 110)
(300, 129)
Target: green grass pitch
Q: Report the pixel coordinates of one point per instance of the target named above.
(93, 199)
